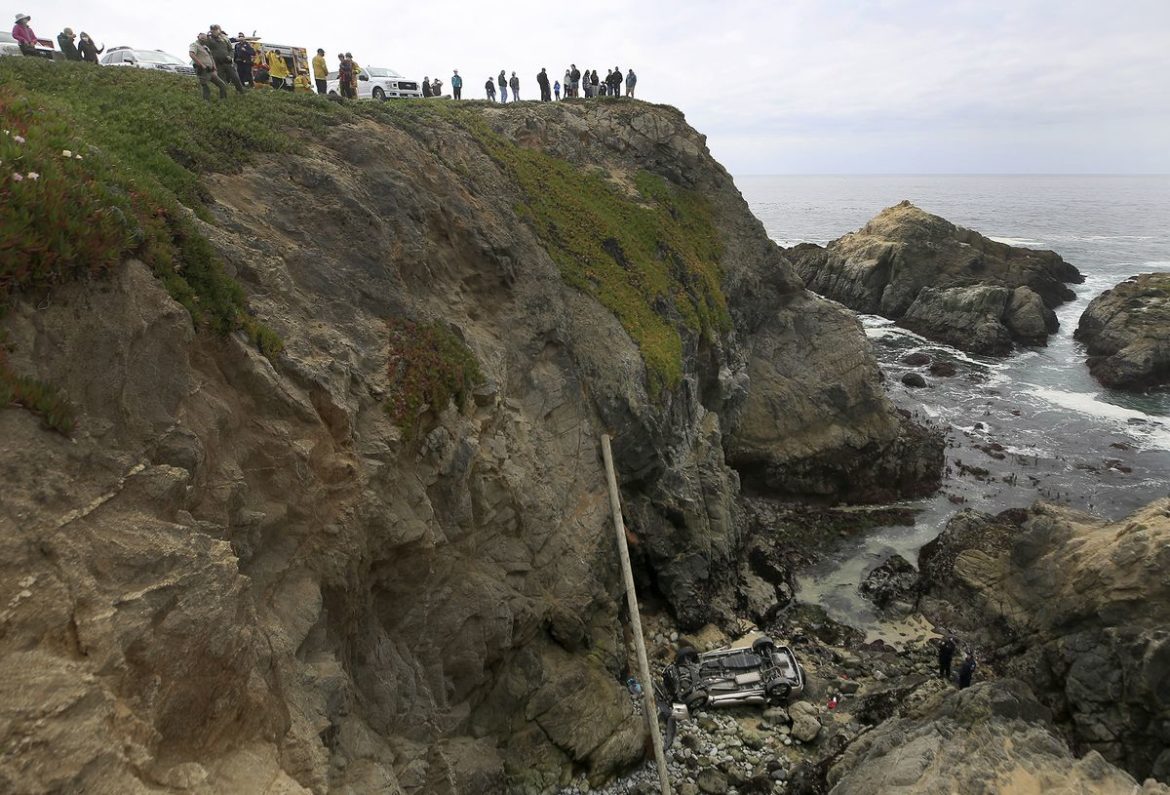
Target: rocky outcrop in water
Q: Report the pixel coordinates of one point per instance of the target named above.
(244, 575)
(1126, 331)
(940, 280)
(1077, 606)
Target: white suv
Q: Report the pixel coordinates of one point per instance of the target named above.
(377, 83)
(147, 59)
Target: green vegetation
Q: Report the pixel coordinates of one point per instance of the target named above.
(97, 165)
(648, 252)
(428, 366)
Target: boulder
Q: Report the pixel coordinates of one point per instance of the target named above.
(886, 267)
(894, 579)
(805, 724)
(1126, 332)
(914, 380)
(992, 737)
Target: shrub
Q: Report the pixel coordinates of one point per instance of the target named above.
(428, 367)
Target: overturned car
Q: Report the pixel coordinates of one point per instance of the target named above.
(763, 674)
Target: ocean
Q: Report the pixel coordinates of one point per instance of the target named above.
(1034, 425)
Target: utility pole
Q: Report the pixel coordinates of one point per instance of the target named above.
(649, 704)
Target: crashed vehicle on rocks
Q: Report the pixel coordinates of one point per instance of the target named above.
(763, 674)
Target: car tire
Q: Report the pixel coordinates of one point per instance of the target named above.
(686, 654)
(696, 700)
(762, 645)
(778, 692)
(379, 94)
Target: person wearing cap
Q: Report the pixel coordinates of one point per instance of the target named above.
(68, 48)
(221, 51)
(89, 51)
(25, 38)
(204, 64)
(244, 53)
(320, 72)
(457, 85)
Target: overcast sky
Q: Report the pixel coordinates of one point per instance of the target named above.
(781, 87)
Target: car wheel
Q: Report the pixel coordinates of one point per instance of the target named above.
(696, 700)
(762, 646)
(333, 94)
(778, 692)
(379, 94)
(686, 655)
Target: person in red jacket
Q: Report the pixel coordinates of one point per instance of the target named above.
(25, 38)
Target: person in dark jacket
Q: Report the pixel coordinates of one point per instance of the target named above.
(68, 48)
(575, 80)
(224, 55)
(946, 653)
(89, 51)
(490, 88)
(593, 79)
(503, 81)
(966, 671)
(545, 90)
(615, 83)
(244, 53)
(514, 84)
(426, 87)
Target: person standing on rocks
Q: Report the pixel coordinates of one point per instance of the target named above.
(946, 653)
(426, 87)
(631, 82)
(514, 84)
(68, 48)
(557, 90)
(490, 88)
(503, 81)
(456, 85)
(575, 79)
(545, 88)
(568, 84)
(204, 65)
(967, 670)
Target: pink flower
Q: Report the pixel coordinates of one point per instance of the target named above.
(16, 177)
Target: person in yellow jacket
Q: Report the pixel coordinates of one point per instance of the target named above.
(320, 71)
(277, 69)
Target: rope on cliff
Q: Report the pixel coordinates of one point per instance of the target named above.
(649, 707)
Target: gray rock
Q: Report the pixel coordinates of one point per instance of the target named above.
(1126, 331)
(913, 380)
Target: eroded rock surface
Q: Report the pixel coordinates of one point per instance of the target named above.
(1078, 606)
(1126, 331)
(239, 575)
(943, 281)
(992, 737)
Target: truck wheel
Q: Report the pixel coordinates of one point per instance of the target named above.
(379, 95)
(778, 692)
(762, 646)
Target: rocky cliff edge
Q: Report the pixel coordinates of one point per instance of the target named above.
(288, 573)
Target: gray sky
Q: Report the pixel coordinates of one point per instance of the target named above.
(790, 86)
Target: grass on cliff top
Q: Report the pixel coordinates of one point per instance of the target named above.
(98, 164)
(650, 255)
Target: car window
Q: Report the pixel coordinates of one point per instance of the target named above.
(114, 57)
(153, 56)
(331, 76)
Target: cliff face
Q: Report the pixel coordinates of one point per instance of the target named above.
(244, 574)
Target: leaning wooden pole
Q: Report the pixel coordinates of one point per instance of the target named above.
(649, 704)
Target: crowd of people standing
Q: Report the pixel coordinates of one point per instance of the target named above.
(577, 83)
